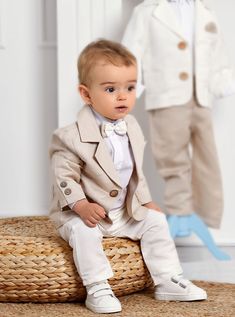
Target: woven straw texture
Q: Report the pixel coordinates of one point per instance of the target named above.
(36, 265)
(220, 303)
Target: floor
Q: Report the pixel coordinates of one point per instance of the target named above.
(199, 264)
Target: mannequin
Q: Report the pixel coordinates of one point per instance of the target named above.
(181, 55)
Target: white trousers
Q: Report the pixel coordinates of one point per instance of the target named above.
(158, 248)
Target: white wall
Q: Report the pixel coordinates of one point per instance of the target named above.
(28, 95)
(28, 106)
(224, 112)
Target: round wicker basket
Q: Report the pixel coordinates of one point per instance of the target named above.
(36, 265)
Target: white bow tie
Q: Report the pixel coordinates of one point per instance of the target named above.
(107, 128)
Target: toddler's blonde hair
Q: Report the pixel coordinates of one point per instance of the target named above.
(105, 50)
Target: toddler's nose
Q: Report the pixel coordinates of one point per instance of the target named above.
(121, 95)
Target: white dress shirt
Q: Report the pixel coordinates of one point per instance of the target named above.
(120, 151)
(185, 13)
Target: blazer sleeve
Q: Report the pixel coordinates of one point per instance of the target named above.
(223, 79)
(134, 39)
(66, 168)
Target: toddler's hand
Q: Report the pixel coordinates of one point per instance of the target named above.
(90, 213)
(152, 205)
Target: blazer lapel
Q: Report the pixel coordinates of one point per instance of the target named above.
(105, 160)
(164, 13)
(89, 132)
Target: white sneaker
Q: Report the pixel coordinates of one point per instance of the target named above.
(179, 289)
(100, 299)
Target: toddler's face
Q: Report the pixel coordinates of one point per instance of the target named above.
(112, 90)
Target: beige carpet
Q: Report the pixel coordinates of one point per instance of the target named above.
(221, 303)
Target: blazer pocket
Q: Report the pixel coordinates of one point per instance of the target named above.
(211, 27)
(211, 32)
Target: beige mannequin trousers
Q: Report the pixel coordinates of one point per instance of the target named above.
(183, 146)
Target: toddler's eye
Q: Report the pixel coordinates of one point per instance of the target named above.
(130, 88)
(110, 89)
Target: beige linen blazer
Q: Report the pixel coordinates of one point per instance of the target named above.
(155, 36)
(83, 168)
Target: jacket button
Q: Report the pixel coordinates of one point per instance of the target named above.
(68, 191)
(63, 184)
(183, 76)
(182, 45)
(113, 193)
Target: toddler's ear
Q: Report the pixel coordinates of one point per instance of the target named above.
(84, 92)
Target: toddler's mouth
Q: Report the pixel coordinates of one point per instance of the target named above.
(121, 107)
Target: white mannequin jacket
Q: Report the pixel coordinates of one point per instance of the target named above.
(154, 36)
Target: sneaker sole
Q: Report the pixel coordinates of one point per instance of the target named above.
(181, 298)
(103, 310)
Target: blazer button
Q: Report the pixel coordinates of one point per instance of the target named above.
(113, 193)
(63, 184)
(183, 76)
(68, 191)
(182, 45)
